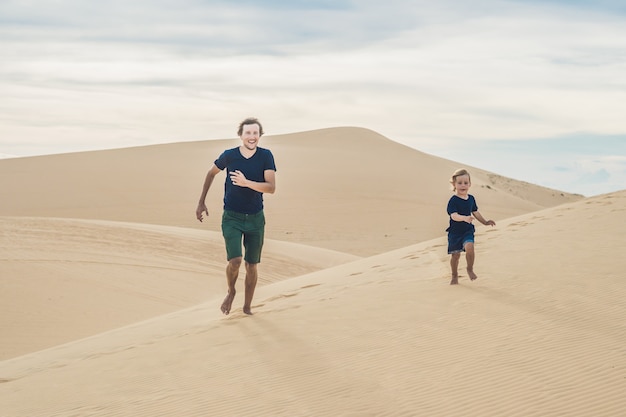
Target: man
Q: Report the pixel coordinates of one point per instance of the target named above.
(250, 172)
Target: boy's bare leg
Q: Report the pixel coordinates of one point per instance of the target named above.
(469, 256)
(251, 279)
(454, 265)
(232, 272)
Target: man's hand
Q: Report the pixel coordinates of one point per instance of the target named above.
(238, 178)
(201, 209)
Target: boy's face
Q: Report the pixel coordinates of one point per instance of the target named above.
(250, 135)
(462, 184)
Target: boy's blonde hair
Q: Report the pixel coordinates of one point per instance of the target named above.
(458, 173)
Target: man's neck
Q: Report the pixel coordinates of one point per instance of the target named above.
(247, 153)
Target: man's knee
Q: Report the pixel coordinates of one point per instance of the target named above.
(235, 262)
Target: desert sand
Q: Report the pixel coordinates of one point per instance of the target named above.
(110, 289)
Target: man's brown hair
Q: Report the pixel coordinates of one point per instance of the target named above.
(250, 121)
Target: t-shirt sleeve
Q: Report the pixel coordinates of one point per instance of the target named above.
(222, 161)
(452, 207)
(269, 162)
(474, 205)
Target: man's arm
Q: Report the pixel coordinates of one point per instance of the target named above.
(268, 186)
(205, 189)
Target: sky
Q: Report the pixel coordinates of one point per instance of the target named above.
(533, 90)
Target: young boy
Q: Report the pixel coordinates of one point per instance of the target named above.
(462, 209)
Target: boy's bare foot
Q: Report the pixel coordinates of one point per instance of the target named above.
(471, 274)
(247, 310)
(228, 302)
(455, 280)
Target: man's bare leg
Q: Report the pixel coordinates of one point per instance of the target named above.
(232, 272)
(251, 279)
(469, 256)
(454, 264)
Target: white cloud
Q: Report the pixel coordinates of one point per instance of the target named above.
(80, 75)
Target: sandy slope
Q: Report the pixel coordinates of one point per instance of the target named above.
(540, 333)
(64, 279)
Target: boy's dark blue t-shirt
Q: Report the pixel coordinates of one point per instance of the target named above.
(465, 208)
(243, 199)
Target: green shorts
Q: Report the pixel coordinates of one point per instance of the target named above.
(249, 228)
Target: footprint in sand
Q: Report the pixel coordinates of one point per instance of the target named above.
(279, 296)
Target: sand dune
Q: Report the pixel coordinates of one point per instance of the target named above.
(346, 189)
(111, 290)
(540, 333)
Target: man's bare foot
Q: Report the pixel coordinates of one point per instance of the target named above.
(228, 302)
(247, 310)
(471, 274)
(455, 280)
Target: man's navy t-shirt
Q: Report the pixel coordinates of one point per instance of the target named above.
(243, 199)
(464, 208)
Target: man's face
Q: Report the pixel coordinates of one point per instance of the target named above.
(250, 136)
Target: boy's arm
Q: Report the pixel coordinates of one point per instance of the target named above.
(482, 219)
(460, 218)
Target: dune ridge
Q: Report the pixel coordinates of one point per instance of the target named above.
(347, 189)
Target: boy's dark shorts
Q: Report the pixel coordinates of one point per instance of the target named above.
(250, 228)
(456, 242)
